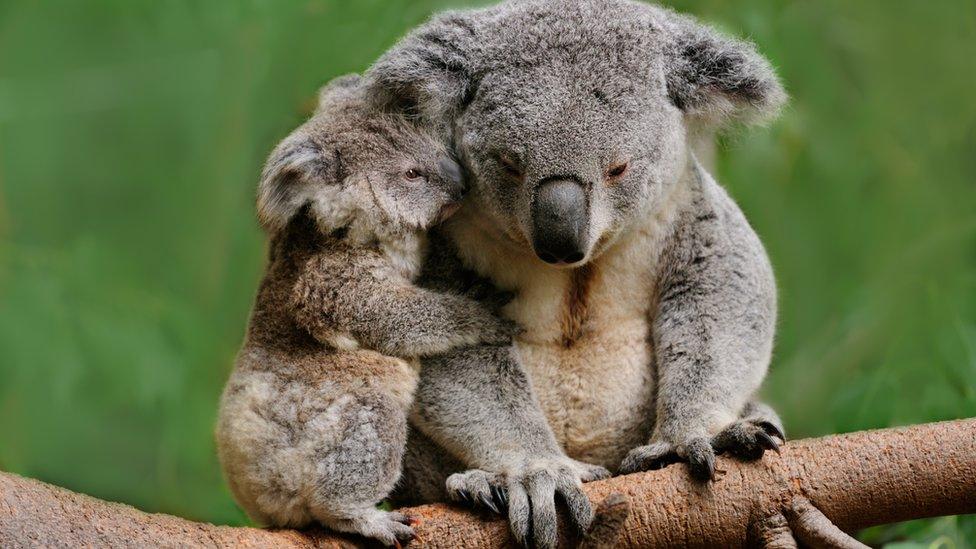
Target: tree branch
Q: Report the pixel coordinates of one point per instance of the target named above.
(814, 492)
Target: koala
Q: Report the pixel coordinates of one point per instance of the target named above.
(647, 302)
(312, 423)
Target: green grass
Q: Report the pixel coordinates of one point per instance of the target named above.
(132, 133)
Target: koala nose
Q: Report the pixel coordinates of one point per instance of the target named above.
(451, 172)
(560, 218)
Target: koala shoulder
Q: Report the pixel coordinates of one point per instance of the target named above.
(714, 245)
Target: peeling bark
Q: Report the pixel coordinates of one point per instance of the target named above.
(813, 492)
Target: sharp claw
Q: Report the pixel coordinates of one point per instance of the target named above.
(500, 496)
(487, 502)
(767, 441)
(703, 469)
(701, 473)
(772, 429)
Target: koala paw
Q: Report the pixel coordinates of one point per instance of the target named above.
(499, 331)
(744, 439)
(528, 493)
(660, 454)
(479, 489)
(749, 439)
(388, 527)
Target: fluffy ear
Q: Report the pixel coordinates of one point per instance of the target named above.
(430, 72)
(715, 79)
(293, 176)
(340, 89)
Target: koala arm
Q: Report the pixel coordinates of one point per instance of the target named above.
(389, 315)
(713, 330)
(478, 404)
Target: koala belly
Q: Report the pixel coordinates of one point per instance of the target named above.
(598, 394)
(587, 344)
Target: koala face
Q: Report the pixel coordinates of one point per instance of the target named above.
(352, 163)
(570, 159)
(395, 175)
(572, 115)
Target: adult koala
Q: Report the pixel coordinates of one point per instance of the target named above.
(648, 302)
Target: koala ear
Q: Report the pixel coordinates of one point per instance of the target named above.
(429, 73)
(340, 89)
(715, 79)
(291, 178)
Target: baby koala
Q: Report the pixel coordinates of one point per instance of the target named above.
(312, 424)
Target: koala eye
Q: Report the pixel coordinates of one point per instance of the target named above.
(617, 170)
(413, 174)
(510, 167)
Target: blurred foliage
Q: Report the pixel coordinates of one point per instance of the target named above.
(132, 133)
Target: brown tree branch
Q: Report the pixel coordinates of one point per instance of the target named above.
(857, 480)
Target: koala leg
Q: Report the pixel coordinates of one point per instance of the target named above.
(362, 469)
(297, 452)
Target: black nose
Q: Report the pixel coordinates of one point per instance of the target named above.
(560, 218)
(453, 176)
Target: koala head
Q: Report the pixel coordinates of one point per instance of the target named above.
(355, 166)
(572, 116)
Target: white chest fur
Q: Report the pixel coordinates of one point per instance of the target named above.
(587, 340)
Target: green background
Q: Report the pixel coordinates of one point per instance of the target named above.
(132, 134)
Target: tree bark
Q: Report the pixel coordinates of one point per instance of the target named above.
(813, 492)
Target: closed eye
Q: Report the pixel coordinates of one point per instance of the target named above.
(510, 166)
(617, 170)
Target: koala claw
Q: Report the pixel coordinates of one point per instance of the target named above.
(768, 442)
(771, 429)
(701, 458)
(531, 508)
(409, 520)
(745, 439)
(529, 496)
(477, 488)
(749, 439)
(500, 495)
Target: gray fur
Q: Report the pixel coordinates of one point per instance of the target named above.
(477, 404)
(539, 90)
(313, 421)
